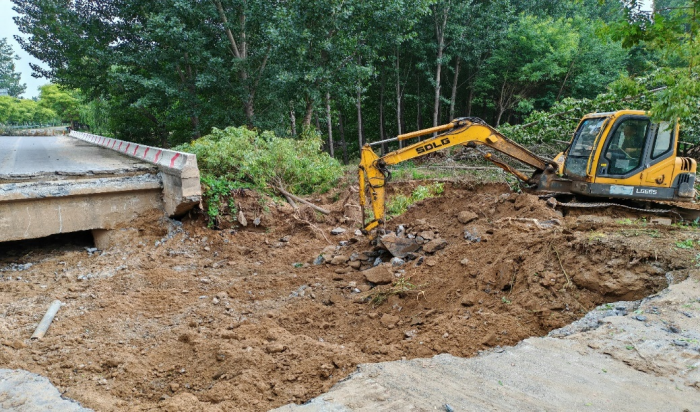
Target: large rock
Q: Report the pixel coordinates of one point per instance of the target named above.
(466, 216)
(379, 275)
(399, 246)
(339, 260)
(434, 245)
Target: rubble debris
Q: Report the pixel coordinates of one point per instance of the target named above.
(434, 245)
(398, 246)
(472, 236)
(379, 275)
(338, 231)
(466, 216)
(397, 261)
(241, 219)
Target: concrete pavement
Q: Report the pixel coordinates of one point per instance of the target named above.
(55, 156)
(62, 184)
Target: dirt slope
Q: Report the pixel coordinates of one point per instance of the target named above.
(622, 364)
(192, 318)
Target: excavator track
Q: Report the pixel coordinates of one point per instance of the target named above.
(676, 212)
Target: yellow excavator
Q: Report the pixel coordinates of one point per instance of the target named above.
(617, 155)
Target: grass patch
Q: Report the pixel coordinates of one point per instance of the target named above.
(401, 287)
(685, 244)
(400, 203)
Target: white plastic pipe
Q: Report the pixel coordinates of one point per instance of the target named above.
(46, 320)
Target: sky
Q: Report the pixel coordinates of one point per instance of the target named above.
(8, 29)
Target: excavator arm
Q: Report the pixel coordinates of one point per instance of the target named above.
(470, 132)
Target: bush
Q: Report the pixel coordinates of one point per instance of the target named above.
(240, 158)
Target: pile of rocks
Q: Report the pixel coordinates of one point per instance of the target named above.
(382, 264)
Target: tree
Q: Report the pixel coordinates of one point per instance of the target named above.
(9, 78)
(64, 104)
(533, 52)
(671, 31)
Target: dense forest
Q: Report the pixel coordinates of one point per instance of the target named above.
(168, 71)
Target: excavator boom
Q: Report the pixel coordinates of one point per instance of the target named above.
(471, 132)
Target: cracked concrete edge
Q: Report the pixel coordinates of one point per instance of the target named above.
(181, 186)
(22, 391)
(61, 188)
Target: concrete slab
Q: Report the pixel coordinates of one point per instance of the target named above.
(62, 184)
(22, 391)
(51, 157)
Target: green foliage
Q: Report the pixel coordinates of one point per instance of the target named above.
(24, 111)
(399, 203)
(9, 78)
(262, 160)
(216, 190)
(64, 103)
(685, 244)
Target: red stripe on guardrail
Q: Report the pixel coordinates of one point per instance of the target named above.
(157, 154)
(146, 152)
(172, 161)
(135, 149)
(120, 146)
(127, 147)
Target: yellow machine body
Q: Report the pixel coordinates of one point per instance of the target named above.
(618, 155)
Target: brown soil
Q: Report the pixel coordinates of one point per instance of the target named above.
(238, 319)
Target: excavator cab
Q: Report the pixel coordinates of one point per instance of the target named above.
(625, 155)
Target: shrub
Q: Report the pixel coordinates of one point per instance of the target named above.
(240, 158)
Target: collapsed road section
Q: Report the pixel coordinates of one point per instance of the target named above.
(63, 184)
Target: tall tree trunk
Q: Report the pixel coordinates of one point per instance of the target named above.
(293, 119)
(419, 118)
(402, 120)
(453, 98)
(309, 112)
(398, 96)
(440, 23)
(330, 124)
(360, 131)
(470, 99)
(239, 50)
(381, 109)
(568, 72)
(343, 143)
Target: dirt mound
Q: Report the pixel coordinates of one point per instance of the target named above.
(243, 319)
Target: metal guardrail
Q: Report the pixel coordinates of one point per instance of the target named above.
(33, 126)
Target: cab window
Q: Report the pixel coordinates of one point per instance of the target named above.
(626, 146)
(662, 140)
(582, 146)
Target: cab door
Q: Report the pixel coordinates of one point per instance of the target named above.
(638, 152)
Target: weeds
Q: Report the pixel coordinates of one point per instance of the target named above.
(400, 203)
(685, 244)
(401, 287)
(596, 237)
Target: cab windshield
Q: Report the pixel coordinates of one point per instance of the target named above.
(582, 146)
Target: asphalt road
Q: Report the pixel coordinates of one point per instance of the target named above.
(27, 156)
